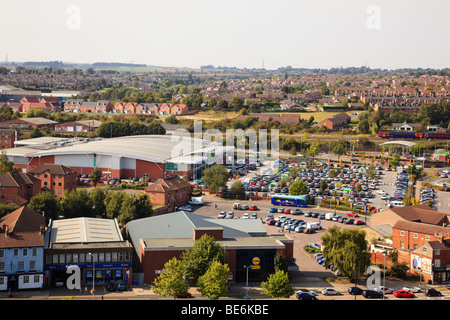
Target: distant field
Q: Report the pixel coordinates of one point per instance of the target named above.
(318, 116)
(211, 115)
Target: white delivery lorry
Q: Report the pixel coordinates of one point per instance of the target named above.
(196, 200)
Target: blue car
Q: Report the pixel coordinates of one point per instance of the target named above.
(273, 210)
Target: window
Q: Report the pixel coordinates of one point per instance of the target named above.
(62, 258)
(114, 256)
(402, 244)
(34, 252)
(415, 236)
(36, 279)
(2, 253)
(75, 257)
(26, 279)
(108, 256)
(25, 252)
(101, 257)
(427, 238)
(32, 265)
(21, 266)
(2, 267)
(16, 252)
(55, 258)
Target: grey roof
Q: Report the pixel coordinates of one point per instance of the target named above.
(153, 148)
(179, 225)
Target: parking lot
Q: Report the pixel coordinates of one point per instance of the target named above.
(310, 273)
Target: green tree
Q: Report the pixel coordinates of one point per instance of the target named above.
(36, 133)
(5, 164)
(215, 178)
(298, 187)
(113, 204)
(280, 262)
(339, 150)
(237, 188)
(96, 176)
(214, 283)
(358, 187)
(347, 249)
(46, 203)
(277, 285)
(134, 206)
(363, 126)
(97, 202)
(171, 281)
(236, 103)
(197, 260)
(76, 204)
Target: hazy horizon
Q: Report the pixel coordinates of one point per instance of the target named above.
(243, 34)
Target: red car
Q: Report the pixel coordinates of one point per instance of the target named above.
(359, 222)
(404, 294)
(253, 207)
(287, 211)
(352, 214)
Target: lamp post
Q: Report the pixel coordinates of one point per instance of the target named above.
(93, 277)
(246, 284)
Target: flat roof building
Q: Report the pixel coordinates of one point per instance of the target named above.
(158, 239)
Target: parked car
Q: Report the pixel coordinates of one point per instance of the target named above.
(358, 222)
(296, 211)
(351, 214)
(185, 295)
(245, 216)
(253, 207)
(273, 210)
(287, 211)
(111, 286)
(403, 294)
(121, 286)
(307, 291)
(222, 215)
(355, 291)
(433, 293)
(305, 296)
(384, 289)
(330, 291)
(372, 294)
(280, 210)
(412, 289)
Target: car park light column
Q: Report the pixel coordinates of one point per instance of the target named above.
(93, 277)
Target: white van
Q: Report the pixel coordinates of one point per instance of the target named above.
(197, 200)
(329, 216)
(397, 204)
(313, 226)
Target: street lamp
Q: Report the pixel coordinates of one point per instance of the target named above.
(93, 277)
(246, 284)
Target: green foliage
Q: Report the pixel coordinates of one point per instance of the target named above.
(171, 281)
(119, 127)
(298, 187)
(237, 188)
(280, 262)
(96, 176)
(198, 260)
(5, 164)
(76, 204)
(213, 283)
(46, 203)
(278, 286)
(347, 250)
(215, 178)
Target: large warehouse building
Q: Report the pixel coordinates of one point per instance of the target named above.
(143, 156)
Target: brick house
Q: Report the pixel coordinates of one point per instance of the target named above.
(425, 248)
(55, 178)
(7, 138)
(336, 122)
(169, 192)
(421, 237)
(15, 186)
(178, 109)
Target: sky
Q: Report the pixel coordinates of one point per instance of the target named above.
(386, 34)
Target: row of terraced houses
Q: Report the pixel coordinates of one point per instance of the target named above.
(102, 106)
